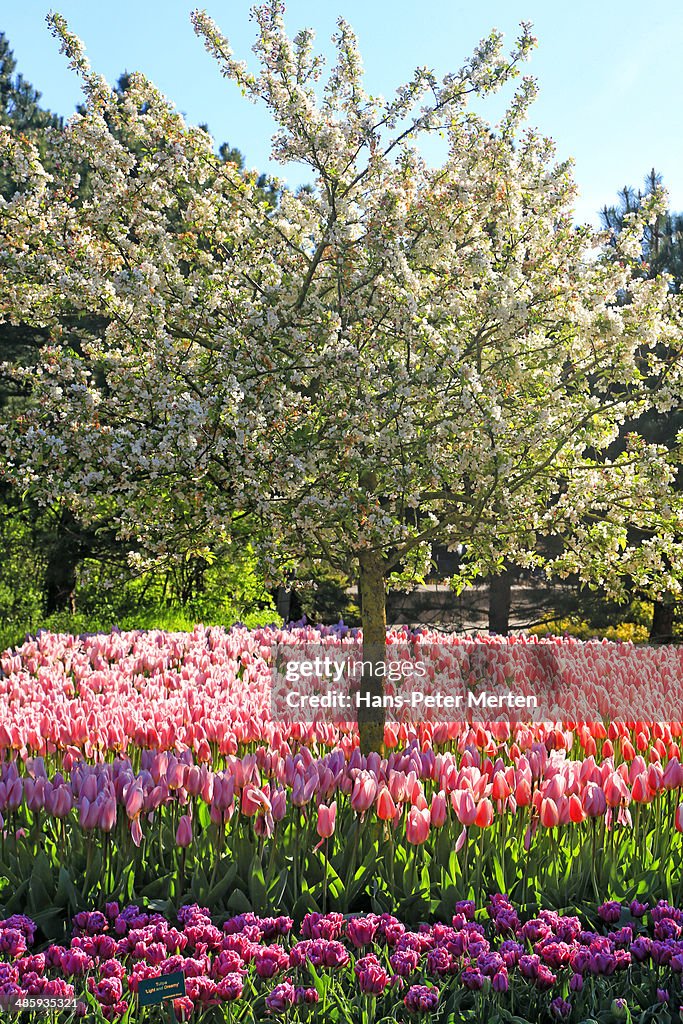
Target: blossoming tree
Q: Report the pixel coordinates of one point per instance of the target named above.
(402, 355)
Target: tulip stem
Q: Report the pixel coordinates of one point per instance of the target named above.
(181, 888)
(392, 882)
(271, 857)
(352, 865)
(465, 864)
(88, 865)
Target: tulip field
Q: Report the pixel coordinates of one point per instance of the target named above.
(496, 870)
(369, 967)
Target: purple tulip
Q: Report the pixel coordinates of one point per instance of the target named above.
(372, 978)
(500, 981)
(472, 978)
(281, 998)
(421, 999)
(638, 909)
(610, 911)
(361, 930)
(561, 1008)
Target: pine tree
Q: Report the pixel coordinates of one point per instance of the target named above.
(20, 108)
(662, 253)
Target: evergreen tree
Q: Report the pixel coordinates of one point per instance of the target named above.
(662, 253)
(20, 108)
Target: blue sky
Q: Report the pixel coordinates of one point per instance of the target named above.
(611, 92)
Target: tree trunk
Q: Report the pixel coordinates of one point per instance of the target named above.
(287, 604)
(64, 552)
(60, 584)
(662, 628)
(283, 602)
(500, 588)
(374, 621)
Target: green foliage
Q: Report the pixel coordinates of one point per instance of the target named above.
(108, 594)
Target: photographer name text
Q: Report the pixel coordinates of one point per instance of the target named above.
(338, 700)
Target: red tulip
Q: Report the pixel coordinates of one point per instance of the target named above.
(576, 811)
(484, 816)
(627, 750)
(500, 790)
(386, 808)
(640, 791)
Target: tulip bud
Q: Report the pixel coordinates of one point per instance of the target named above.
(550, 816)
(438, 809)
(484, 816)
(183, 836)
(386, 808)
(326, 819)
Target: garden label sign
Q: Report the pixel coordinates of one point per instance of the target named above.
(156, 990)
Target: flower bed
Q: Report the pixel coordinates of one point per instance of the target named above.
(482, 964)
(209, 692)
(147, 766)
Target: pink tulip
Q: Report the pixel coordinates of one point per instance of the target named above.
(593, 800)
(615, 790)
(417, 826)
(555, 788)
(464, 806)
(84, 813)
(673, 775)
(135, 799)
(89, 788)
(254, 800)
(106, 818)
(438, 809)
(183, 836)
(193, 780)
(279, 804)
(655, 777)
(640, 791)
(327, 817)
(549, 813)
(364, 792)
